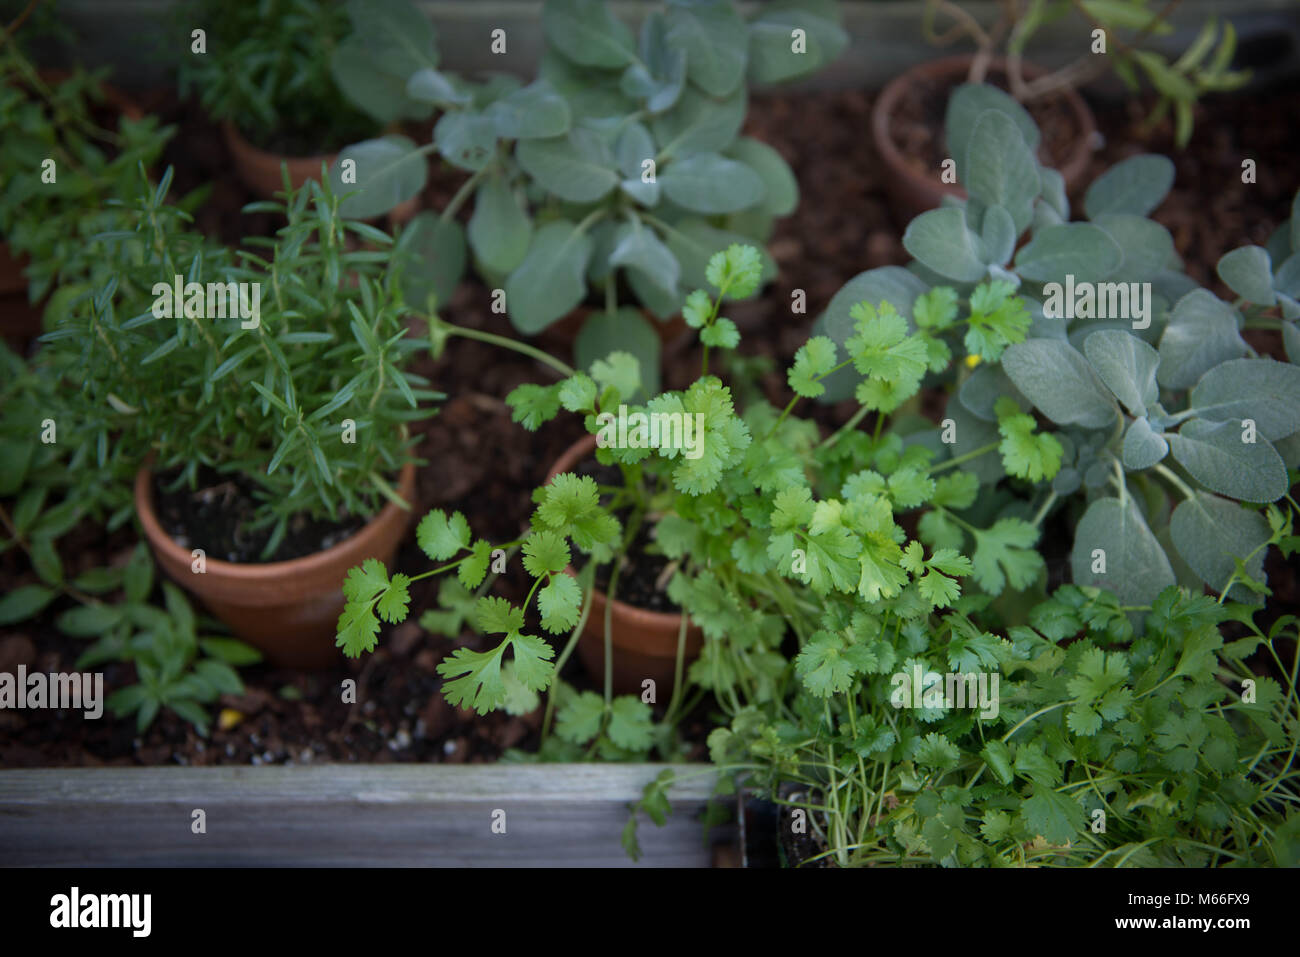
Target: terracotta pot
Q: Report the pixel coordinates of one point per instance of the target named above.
(260, 170)
(112, 95)
(289, 609)
(912, 192)
(644, 642)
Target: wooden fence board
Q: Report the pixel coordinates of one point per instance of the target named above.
(345, 816)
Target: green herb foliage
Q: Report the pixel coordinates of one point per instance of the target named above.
(266, 68)
(308, 399)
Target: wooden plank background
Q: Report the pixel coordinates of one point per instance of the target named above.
(346, 815)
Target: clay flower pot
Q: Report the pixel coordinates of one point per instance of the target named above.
(260, 170)
(913, 192)
(287, 609)
(644, 642)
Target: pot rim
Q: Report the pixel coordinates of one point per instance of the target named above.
(570, 457)
(239, 143)
(882, 110)
(114, 96)
(250, 571)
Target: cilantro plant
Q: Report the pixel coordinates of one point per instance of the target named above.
(1106, 749)
(1163, 417)
(622, 159)
(818, 515)
(266, 69)
(307, 397)
(1126, 26)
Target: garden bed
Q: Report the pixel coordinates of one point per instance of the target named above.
(481, 463)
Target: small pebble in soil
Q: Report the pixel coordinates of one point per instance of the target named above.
(306, 756)
(448, 747)
(230, 750)
(255, 759)
(401, 741)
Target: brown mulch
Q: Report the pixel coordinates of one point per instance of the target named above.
(481, 463)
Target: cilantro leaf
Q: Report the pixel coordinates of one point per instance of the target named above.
(473, 569)
(1024, 454)
(697, 309)
(956, 490)
(560, 603)
(570, 505)
(910, 487)
(578, 720)
(532, 405)
(936, 751)
(997, 320)
(735, 271)
(358, 629)
(392, 603)
(455, 605)
(1005, 554)
(577, 393)
(532, 662)
(882, 349)
(495, 616)
(814, 360)
(792, 508)
(619, 372)
(722, 333)
(365, 581)
(1057, 817)
(441, 537)
(822, 666)
(474, 678)
(519, 699)
(938, 589)
(545, 551)
(630, 723)
(935, 310)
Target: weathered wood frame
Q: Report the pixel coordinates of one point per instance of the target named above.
(344, 815)
(886, 37)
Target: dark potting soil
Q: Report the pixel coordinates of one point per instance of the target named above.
(642, 575)
(486, 466)
(799, 843)
(302, 135)
(916, 125)
(217, 514)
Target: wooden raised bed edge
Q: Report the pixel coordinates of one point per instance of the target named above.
(346, 815)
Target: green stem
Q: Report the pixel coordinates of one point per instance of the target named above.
(521, 347)
(462, 194)
(679, 665)
(965, 457)
(844, 429)
(1178, 483)
(1042, 509)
